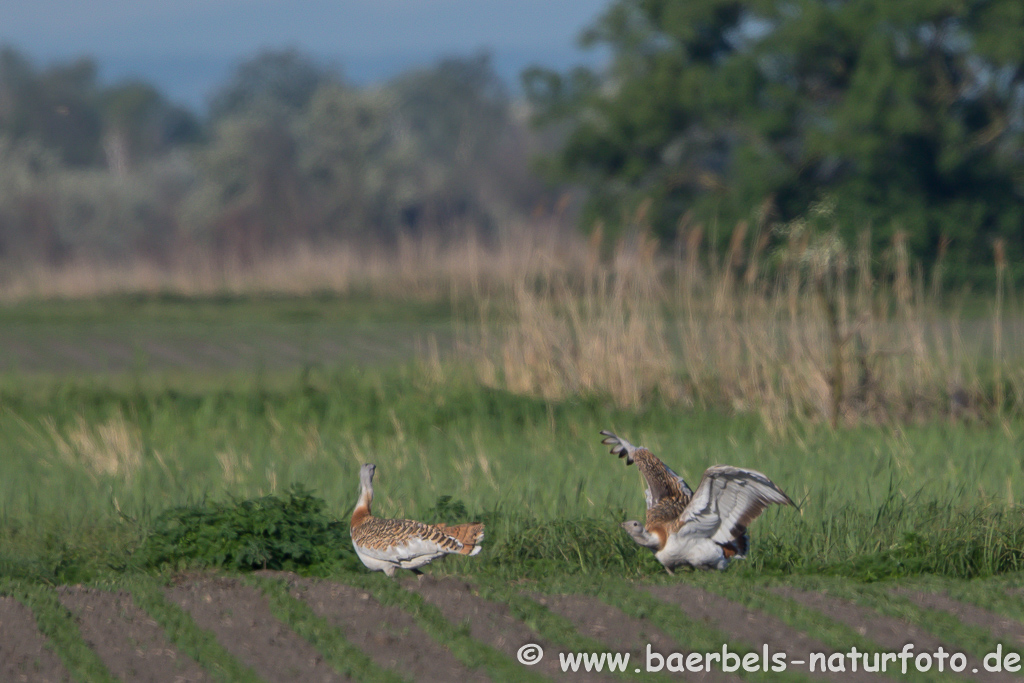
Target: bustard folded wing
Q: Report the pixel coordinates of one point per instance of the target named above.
(727, 501)
(401, 540)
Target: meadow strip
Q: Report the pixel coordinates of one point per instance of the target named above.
(456, 639)
(58, 625)
(329, 641)
(207, 444)
(187, 636)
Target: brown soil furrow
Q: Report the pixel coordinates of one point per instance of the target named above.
(241, 619)
(889, 633)
(24, 655)
(389, 636)
(132, 646)
(282, 351)
(492, 623)
(1001, 627)
(20, 354)
(753, 627)
(213, 355)
(117, 355)
(620, 632)
(169, 355)
(73, 355)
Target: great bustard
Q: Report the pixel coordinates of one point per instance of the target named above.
(705, 529)
(389, 544)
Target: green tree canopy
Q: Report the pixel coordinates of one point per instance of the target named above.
(64, 109)
(910, 115)
(139, 123)
(436, 150)
(55, 107)
(459, 118)
(274, 82)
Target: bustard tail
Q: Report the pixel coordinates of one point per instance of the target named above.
(469, 535)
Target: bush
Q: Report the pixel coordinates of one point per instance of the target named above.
(289, 533)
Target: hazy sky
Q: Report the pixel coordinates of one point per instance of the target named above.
(187, 47)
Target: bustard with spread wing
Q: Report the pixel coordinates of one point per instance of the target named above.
(390, 544)
(706, 528)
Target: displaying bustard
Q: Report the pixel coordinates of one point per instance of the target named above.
(706, 528)
(389, 544)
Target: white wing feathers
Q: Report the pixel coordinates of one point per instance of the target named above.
(619, 445)
(727, 500)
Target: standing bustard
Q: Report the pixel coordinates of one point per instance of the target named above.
(389, 544)
(705, 529)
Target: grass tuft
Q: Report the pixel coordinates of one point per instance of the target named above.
(534, 548)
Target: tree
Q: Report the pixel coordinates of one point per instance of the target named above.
(470, 149)
(64, 109)
(249, 198)
(139, 122)
(907, 114)
(351, 162)
(55, 107)
(273, 83)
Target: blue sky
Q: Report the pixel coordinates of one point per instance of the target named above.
(188, 47)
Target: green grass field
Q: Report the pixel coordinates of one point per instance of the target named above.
(91, 459)
(104, 466)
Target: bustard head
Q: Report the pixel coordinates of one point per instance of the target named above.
(366, 475)
(640, 534)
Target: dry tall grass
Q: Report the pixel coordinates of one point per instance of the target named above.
(422, 268)
(808, 328)
(111, 449)
(584, 326)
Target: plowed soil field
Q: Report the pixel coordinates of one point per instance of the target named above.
(400, 643)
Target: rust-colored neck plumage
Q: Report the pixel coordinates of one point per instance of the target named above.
(362, 510)
(659, 533)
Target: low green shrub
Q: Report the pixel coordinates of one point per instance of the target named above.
(287, 533)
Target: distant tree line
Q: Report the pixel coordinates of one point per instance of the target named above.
(908, 116)
(288, 153)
